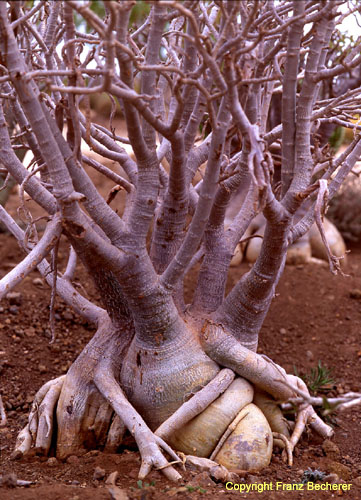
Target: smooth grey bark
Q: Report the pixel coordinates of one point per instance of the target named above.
(218, 66)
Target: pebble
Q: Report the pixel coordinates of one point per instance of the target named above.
(99, 473)
(309, 355)
(111, 479)
(357, 481)
(331, 449)
(355, 293)
(332, 478)
(14, 298)
(38, 282)
(68, 315)
(30, 332)
(92, 453)
(16, 455)
(283, 331)
(341, 470)
(203, 480)
(73, 459)
(52, 462)
(9, 480)
(117, 493)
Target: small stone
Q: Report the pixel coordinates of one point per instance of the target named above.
(14, 298)
(16, 455)
(13, 310)
(355, 293)
(9, 480)
(341, 470)
(117, 493)
(52, 462)
(38, 282)
(92, 453)
(309, 355)
(283, 331)
(357, 481)
(203, 480)
(332, 478)
(111, 479)
(99, 473)
(29, 332)
(73, 460)
(42, 368)
(331, 449)
(133, 474)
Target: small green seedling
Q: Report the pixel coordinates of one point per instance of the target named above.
(196, 488)
(141, 485)
(319, 379)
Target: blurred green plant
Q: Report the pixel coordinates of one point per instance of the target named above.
(319, 379)
(139, 12)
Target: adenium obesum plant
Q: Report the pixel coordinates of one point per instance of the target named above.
(196, 82)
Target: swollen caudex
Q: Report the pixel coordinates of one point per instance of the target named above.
(249, 444)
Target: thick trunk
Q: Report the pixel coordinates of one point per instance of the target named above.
(158, 380)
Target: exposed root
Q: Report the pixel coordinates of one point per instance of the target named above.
(40, 422)
(227, 433)
(198, 403)
(11, 481)
(148, 443)
(115, 435)
(287, 452)
(88, 400)
(100, 425)
(215, 470)
(3, 419)
(306, 414)
(262, 372)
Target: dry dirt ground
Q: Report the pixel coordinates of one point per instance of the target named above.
(315, 317)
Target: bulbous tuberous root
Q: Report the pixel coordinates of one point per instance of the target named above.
(39, 430)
